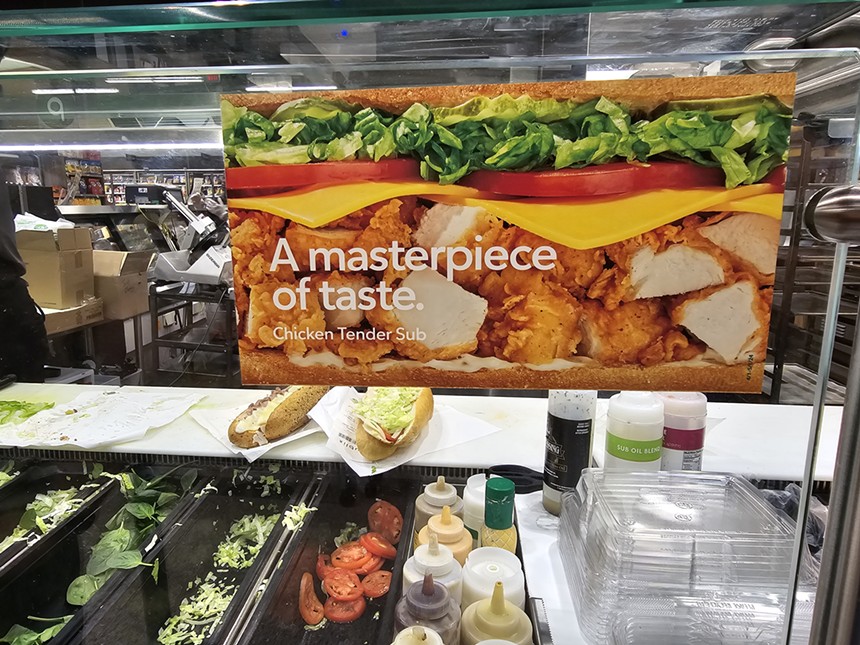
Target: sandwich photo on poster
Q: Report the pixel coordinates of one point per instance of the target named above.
(588, 235)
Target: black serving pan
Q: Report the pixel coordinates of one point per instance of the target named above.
(344, 498)
(134, 614)
(36, 583)
(38, 479)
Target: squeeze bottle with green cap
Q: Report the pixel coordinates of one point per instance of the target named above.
(429, 604)
(430, 502)
(499, 530)
(437, 559)
(495, 617)
(451, 532)
(417, 635)
(634, 431)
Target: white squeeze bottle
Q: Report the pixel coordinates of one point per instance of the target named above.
(417, 635)
(430, 503)
(634, 431)
(439, 560)
(473, 506)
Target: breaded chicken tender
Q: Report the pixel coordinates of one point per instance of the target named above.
(253, 239)
(303, 240)
(267, 324)
(638, 332)
(531, 319)
(575, 269)
(385, 227)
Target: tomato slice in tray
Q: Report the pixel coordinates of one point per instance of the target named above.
(378, 545)
(351, 555)
(324, 566)
(285, 177)
(377, 584)
(384, 518)
(310, 607)
(341, 584)
(374, 564)
(594, 181)
(344, 611)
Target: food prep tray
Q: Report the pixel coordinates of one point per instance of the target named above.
(343, 498)
(38, 479)
(135, 613)
(37, 581)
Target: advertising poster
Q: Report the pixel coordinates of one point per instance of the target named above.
(584, 235)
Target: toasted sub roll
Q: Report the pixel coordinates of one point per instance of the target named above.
(276, 416)
(374, 441)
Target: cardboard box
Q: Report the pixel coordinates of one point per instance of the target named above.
(59, 268)
(60, 320)
(120, 281)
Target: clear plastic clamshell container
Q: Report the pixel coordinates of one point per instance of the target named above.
(633, 538)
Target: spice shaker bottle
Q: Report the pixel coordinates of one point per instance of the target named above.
(684, 415)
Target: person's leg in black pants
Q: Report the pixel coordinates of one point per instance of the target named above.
(23, 341)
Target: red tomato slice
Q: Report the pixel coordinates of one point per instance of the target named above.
(277, 178)
(341, 584)
(385, 519)
(377, 584)
(593, 181)
(323, 566)
(374, 564)
(310, 607)
(344, 611)
(378, 545)
(350, 556)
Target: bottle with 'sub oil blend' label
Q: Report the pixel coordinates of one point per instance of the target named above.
(569, 424)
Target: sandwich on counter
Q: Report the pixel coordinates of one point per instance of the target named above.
(618, 234)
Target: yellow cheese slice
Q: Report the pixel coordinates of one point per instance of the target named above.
(576, 223)
(592, 223)
(319, 205)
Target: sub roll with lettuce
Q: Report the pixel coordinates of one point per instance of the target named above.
(390, 418)
(597, 235)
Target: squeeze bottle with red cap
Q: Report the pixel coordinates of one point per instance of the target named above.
(429, 604)
(684, 415)
(430, 503)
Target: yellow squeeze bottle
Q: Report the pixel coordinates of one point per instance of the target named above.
(499, 530)
(451, 532)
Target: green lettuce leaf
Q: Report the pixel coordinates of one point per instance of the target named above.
(270, 152)
(311, 107)
(505, 108)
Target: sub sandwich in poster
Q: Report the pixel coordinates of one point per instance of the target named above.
(610, 235)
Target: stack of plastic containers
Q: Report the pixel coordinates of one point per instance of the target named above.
(676, 557)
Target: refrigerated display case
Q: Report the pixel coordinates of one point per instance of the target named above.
(132, 82)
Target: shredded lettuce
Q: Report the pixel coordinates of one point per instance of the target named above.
(18, 411)
(42, 515)
(388, 408)
(247, 536)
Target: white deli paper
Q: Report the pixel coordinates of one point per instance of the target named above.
(217, 421)
(96, 418)
(447, 428)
